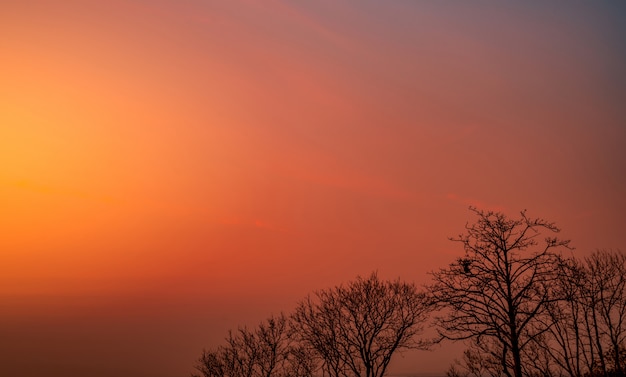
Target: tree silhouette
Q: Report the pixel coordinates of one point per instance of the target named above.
(268, 351)
(479, 360)
(355, 329)
(607, 275)
(522, 308)
(501, 286)
(587, 328)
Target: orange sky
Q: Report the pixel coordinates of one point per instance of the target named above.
(171, 169)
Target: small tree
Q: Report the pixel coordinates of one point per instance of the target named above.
(268, 351)
(501, 286)
(355, 329)
(480, 359)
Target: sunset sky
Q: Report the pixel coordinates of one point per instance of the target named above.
(170, 170)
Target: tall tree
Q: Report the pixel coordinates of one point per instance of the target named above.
(567, 340)
(606, 274)
(501, 284)
(587, 328)
(356, 329)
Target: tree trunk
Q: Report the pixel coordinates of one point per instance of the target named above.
(517, 360)
(598, 343)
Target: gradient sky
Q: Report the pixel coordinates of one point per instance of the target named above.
(172, 169)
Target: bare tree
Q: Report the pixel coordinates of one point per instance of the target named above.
(587, 327)
(268, 351)
(566, 342)
(355, 329)
(481, 358)
(607, 273)
(501, 286)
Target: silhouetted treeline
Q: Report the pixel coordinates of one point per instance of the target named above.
(350, 330)
(521, 306)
